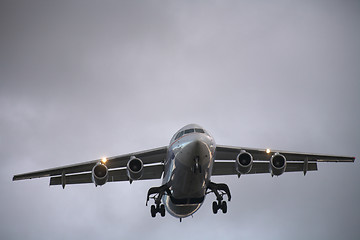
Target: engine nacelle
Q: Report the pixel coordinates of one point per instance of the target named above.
(244, 161)
(135, 168)
(100, 174)
(277, 164)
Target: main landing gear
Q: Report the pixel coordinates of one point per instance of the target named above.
(219, 205)
(158, 193)
(219, 189)
(159, 208)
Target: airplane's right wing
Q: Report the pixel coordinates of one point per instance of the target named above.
(81, 172)
(149, 172)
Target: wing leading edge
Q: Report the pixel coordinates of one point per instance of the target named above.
(81, 172)
(296, 162)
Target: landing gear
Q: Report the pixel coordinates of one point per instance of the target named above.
(219, 190)
(197, 167)
(153, 211)
(158, 193)
(157, 209)
(162, 210)
(224, 207)
(216, 206)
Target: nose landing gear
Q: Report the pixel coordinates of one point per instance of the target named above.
(197, 167)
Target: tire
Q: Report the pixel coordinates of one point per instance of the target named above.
(153, 211)
(215, 207)
(162, 210)
(224, 207)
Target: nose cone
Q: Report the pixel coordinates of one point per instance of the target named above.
(192, 146)
(194, 149)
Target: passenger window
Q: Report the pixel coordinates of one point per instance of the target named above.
(189, 131)
(199, 130)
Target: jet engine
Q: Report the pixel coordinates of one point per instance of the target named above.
(244, 161)
(100, 174)
(134, 168)
(277, 164)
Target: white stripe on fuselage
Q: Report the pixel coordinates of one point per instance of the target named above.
(186, 184)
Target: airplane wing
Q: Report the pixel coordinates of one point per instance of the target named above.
(295, 162)
(81, 172)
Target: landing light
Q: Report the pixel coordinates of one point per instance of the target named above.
(104, 160)
(268, 150)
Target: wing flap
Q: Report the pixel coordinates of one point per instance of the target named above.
(228, 168)
(72, 179)
(230, 153)
(150, 172)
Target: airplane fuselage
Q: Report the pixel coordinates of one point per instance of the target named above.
(188, 168)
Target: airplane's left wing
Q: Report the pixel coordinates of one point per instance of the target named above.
(81, 172)
(295, 162)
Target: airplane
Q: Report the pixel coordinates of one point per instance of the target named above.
(185, 166)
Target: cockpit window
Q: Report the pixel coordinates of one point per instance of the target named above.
(199, 130)
(179, 135)
(189, 131)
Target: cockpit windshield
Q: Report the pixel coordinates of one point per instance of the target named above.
(191, 130)
(187, 131)
(179, 135)
(199, 130)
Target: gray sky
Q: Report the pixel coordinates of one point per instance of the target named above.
(83, 79)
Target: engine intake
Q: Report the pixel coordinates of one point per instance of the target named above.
(100, 174)
(277, 164)
(135, 168)
(244, 161)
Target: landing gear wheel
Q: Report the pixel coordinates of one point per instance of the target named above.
(224, 207)
(153, 211)
(162, 210)
(215, 207)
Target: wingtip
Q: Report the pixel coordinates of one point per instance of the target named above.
(17, 177)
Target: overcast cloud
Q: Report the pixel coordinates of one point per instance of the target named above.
(83, 79)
